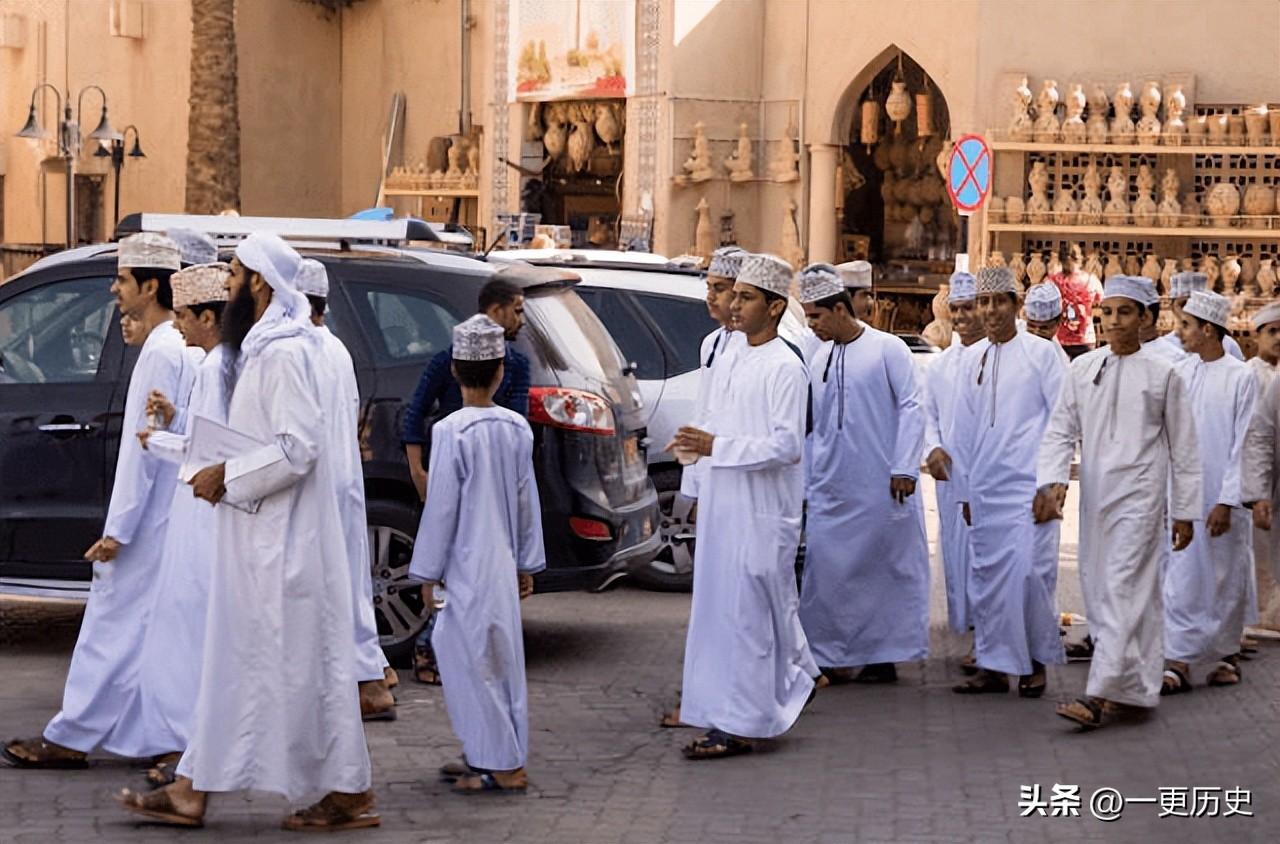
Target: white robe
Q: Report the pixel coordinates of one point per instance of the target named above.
(279, 709)
(953, 533)
(1174, 344)
(1263, 553)
(747, 666)
(718, 347)
(484, 524)
(1006, 393)
(1261, 463)
(865, 597)
(340, 396)
(1171, 352)
(99, 700)
(1131, 417)
(1206, 585)
(173, 652)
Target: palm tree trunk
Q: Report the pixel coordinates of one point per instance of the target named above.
(213, 127)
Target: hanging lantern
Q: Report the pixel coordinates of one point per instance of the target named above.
(898, 104)
(924, 111)
(870, 123)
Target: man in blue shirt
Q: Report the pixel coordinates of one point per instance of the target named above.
(502, 302)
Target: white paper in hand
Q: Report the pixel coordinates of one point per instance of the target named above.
(212, 443)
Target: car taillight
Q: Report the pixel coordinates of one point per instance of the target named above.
(573, 410)
(590, 529)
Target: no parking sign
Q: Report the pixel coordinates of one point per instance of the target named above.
(969, 173)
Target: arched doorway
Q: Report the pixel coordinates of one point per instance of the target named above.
(892, 206)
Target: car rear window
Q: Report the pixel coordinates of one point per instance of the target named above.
(632, 335)
(570, 336)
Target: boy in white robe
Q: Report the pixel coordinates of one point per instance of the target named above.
(1266, 555)
(173, 651)
(865, 596)
(939, 400)
(1127, 410)
(1007, 389)
(747, 667)
(1181, 286)
(482, 514)
(1042, 310)
(857, 277)
(341, 398)
(101, 687)
(1206, 585)
(278, 710)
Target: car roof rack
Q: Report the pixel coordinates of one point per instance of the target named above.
(231, 227)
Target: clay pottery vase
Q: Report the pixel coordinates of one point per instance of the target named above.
(1248, 274)
(1217, 124)
(1235, 129)
(996, 259)
(1014, 208)
(1231, 270)
(1064, 206)
(1222, 202)
(995, 210)
(1259, 203)
(1255, 126)
(1131, 264)
(1017, 266)
(1273, 119)
(1166, 274)
(1113, 267)
(1198, 128)
(1036, 269)
(898, 105)
(1151, 267)
(1266, 278)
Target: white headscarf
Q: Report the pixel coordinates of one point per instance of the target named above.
(289, 313)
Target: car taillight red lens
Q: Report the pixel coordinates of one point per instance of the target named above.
(573, 410)
(590, 529)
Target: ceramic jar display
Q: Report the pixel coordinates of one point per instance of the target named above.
(1259, 202)
(1221, 202)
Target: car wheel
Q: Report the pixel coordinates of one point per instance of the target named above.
(672, 569)
(397, 602)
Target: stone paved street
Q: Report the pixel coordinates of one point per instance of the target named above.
(907, 763)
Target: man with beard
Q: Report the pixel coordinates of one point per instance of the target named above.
(1007, 388)
(173, 651)
(341, 399)
(865, 596)
(101, 689)
(747, 667)
(502, 302)
(939, 413)
(278, 709)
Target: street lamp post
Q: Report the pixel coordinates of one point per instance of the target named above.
(116, 152)
(69, 139)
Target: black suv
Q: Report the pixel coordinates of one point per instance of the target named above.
(64, 371)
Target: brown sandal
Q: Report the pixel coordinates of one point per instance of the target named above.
(1225, 673)
(330, 815)
(1088, 712)
(671, 720)
(983, 683)
(484, 782)
(157, 806)
(38, 753)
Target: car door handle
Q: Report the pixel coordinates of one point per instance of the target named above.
(66, 427)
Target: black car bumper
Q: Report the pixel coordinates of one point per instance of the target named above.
(590, 564)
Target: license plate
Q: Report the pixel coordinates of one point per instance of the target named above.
(631, 450)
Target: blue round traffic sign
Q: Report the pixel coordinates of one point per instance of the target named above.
(969, 173)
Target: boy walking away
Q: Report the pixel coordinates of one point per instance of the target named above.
(480, 560)
(1266, 330)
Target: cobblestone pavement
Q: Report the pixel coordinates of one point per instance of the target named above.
(905, 763)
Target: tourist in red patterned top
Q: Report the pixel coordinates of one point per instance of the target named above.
(1078, 300)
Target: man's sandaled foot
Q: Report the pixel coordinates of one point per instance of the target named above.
(838, 676)
(880, 672)
(335, 812)
(1033, 685)
(1175, 680)
(671, 720)
(41, 754)
(1248, 645)
(159, 806)
(1080, 651)
(493, 782)
(983, 683)
(1226, 673)
(969, 664)
(452, 771)
(376, 701)
(390, 677)
(717, 744)
(1088, 712)
(163, 770)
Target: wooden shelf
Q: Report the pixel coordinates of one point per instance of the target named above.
(437, 192)
(1141, 231)
(1139, 149)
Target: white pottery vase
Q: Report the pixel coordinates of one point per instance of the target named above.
(1221, 203)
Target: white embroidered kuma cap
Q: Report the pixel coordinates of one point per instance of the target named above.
(479, 338)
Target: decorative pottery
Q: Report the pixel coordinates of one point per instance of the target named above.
(1221, 202)
(924, 113)
(1266, 278)
(1021, 125)
(1217, 124)
(1093, 264)
(1175, 104)
(1235, 129)
(698, 166)
(1116, 212)
(995, 210)
(1036, 269)
(869, 134)
(1122, 129)
(1248, 274)
(996, 259)
(1038, 208)
(1255, 125)
(1047, 128)
(1017, 266)
(1065, 210)
(792, 252)
(1230, 273)
(1113, 267)
(1169, 211)
(1150, 267)
(1099, 104)
(739, 163)
(1273, 119)
(1148, 130)
(1091, 205)
(1198, 129)
(1144, 206)
(704, 235)
(1132, 266)
(1259, 202)
(898, 105)
(1166, 274)
(1073, 128)
(1014, 208)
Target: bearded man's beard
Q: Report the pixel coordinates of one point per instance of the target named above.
(237, 318)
